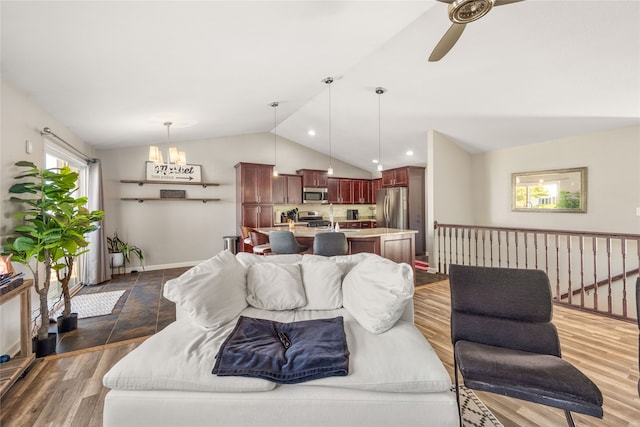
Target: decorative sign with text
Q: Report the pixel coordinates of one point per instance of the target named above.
(173, 172)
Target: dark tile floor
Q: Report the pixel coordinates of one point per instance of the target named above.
(141, 311)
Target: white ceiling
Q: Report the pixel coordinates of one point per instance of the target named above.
(114, 71)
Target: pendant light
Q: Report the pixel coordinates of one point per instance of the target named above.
(379, 91)
(328, 81)
(175, 156)
(275, 104)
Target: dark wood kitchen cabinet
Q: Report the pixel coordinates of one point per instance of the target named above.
(340, 191)
(361, 191)
(376, 184)
(287, 189)
(254, 195)
(253, 181)
(398, 177)
(256, 216)
(314, 178)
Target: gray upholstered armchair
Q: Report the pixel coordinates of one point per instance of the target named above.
(504, 341)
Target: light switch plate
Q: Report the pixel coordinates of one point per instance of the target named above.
(637, 211)
(28, 147)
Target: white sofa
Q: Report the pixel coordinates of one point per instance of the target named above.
(394, 379)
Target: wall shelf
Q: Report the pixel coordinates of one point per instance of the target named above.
(169, 199)
(142, 182)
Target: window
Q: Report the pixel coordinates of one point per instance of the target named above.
(57, 157)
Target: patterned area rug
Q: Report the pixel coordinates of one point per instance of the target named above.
(474, 412)
(92, 305)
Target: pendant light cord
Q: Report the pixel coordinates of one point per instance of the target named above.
(168, 125)
(330, 155)
(275, 131)
(380, 91)
(328, 81)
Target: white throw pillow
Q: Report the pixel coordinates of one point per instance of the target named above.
(273, 286)
(322, 282)
(376, 292)
(212, 293)
(247, 259)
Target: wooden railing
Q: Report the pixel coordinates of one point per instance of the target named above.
(593, 271)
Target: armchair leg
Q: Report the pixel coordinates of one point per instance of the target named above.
(569, 417)
(455, 375)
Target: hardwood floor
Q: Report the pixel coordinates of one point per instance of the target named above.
(66, 389)
(606, 350)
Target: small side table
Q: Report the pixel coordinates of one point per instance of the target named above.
(13, 369)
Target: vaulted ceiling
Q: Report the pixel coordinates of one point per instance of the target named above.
(114, 71)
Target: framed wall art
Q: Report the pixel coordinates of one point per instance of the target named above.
(557, 190)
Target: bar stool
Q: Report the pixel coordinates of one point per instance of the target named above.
(284, 242)
(260, 243)
(330, 243)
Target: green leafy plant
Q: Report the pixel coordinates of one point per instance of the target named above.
(116, 245)
(51, 233)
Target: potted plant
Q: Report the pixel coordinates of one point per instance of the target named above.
(74, 221)
(38, 237)
(121, 251)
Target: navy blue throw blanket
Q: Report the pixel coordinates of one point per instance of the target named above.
(285, 353)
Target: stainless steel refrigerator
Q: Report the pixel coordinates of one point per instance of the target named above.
(392, 208)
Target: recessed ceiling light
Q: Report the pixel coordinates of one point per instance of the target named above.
(375, 160)
(409, 153)
(312, 132)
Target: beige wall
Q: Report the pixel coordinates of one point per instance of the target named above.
(613, 161)
(476, 189)
(181, 232)
(22, 120)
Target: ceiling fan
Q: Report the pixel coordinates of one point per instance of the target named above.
(461, 12)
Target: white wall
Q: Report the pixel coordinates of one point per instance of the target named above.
(181, 233)
(449, 197)
(613, 161)
(22, 120)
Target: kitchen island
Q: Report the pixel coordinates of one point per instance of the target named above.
(392, 243)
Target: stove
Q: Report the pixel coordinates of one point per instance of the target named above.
(313, 219)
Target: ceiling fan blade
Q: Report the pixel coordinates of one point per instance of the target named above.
(447, 41)
(503, 2)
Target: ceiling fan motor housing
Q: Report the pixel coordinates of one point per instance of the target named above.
(465, 11)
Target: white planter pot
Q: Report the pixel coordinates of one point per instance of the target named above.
(117, 260)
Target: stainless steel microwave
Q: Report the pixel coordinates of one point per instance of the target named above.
(315, 195)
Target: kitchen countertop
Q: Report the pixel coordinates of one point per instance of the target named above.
(350, 233)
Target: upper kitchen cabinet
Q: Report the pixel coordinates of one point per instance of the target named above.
(376, 184)
(253, 183)
(287, 189)
(254, 195)
(361, 191)
(340, 191)
(314, 178)
(398, 177)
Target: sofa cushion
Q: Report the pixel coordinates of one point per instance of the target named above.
(322, 282)
(398, 361)
(344, 262)
(376, 292)
(272, 286)
(180, 357)
(247, 259)
(212, 293)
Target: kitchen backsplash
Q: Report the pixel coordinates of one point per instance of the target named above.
(339, 211)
